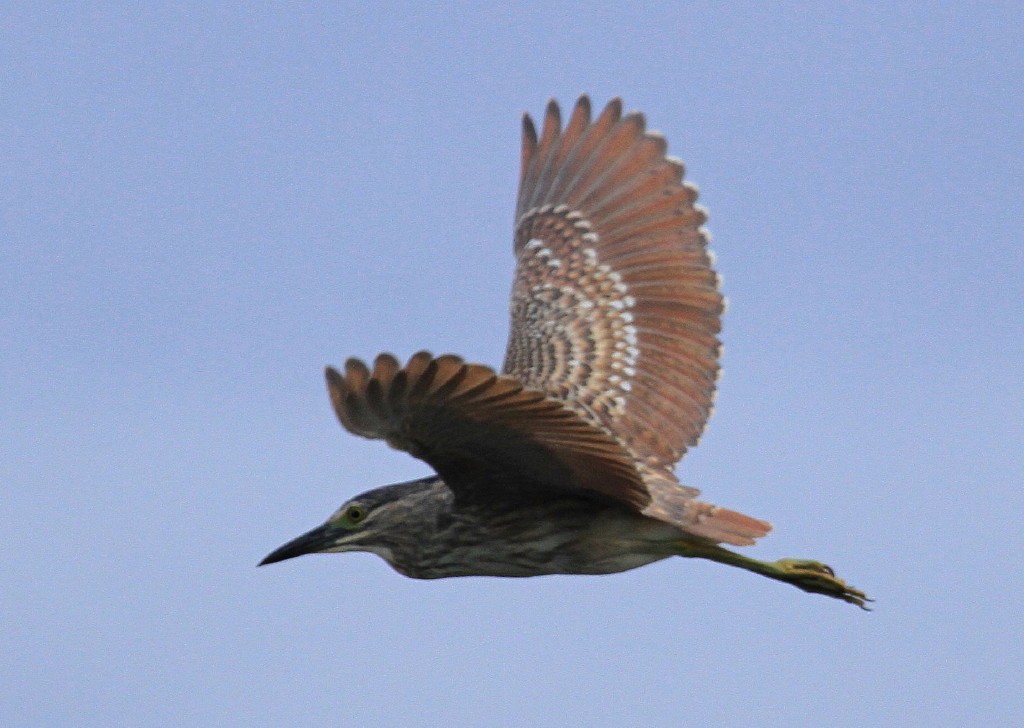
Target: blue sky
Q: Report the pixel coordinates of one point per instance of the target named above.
(202, 206)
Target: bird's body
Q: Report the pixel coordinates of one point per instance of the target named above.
(563, 464)
(437, 537)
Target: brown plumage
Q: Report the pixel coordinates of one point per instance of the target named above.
(473, 426)
(615, 316)
(615, 305)
(563, 463)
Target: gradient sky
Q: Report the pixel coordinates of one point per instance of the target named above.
(201, 206)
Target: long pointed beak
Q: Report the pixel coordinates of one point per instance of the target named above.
(312, 542)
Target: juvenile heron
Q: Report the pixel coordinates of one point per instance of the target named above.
(563, 463)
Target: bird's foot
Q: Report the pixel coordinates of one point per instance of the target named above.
(817, 578)
(811, 576)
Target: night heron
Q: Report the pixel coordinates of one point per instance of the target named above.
(563, 463)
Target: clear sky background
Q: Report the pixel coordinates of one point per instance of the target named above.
(201, 206)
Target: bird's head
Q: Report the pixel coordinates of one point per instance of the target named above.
(379, 521)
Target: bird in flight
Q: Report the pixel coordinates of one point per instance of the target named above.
(563, 462)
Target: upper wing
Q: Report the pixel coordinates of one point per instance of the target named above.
(615, 306)
(481, 431)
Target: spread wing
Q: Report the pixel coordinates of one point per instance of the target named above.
(615, 305)
(481, 431)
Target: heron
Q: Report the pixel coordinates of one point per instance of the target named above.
(563, 463)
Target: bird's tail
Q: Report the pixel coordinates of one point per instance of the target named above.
(723, 525)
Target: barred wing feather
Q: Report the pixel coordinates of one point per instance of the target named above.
(466, 421)
(615, 305)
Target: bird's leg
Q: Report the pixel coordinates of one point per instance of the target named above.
(811, 576)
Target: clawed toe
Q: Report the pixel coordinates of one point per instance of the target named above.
(805, 565)
(818, 578)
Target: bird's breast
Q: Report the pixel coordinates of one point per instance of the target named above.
(576, 537)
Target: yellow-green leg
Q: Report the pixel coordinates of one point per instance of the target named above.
(811, 576)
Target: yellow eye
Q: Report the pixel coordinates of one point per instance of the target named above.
(355, 513)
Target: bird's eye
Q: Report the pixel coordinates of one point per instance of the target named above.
(355, 514)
